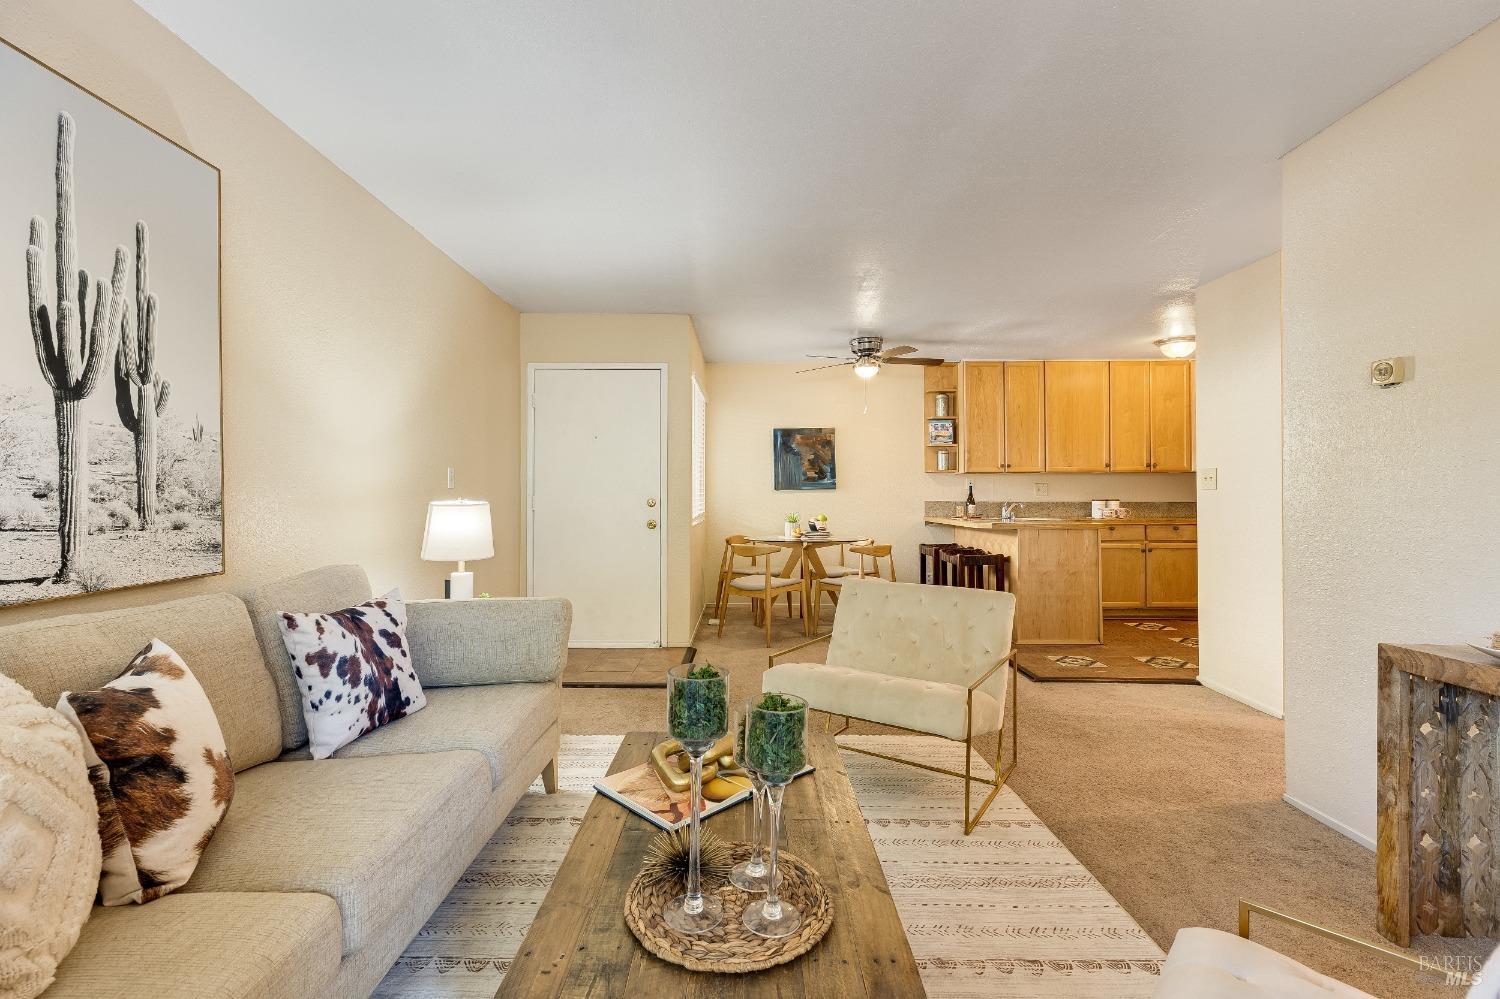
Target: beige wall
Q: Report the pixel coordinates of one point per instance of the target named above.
(359, 361)
(1392, 496)
(881, 484)
(669, 339)
(1239, 523)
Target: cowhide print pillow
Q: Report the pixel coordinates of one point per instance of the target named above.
(161, 775)
(353, 670)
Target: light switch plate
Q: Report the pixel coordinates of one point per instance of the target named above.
(450, 478)
(1208, 479)
(1041, 488)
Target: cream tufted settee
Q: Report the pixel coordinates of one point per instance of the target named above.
(929, 659)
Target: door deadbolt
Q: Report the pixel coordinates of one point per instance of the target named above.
(651, 525)
(651, 501)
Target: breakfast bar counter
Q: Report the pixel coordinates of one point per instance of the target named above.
(1065, 572)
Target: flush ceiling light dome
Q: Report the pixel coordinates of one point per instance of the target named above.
(867, 367)
(1178, 346)
(1181, 337)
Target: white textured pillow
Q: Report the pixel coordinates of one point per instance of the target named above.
(160, 771)
(49, 841)
(353, 669)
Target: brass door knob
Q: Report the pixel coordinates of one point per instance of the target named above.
(651, 525)
(651, 501)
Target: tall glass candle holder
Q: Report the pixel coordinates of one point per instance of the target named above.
(750, 875)
(776, 748)
(697, 717)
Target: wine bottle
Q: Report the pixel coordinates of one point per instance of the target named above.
(970, 506)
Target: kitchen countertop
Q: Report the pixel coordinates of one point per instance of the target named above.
(993, 524)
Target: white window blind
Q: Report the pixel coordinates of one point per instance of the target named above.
(700, 452)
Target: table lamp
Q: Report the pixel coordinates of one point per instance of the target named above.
(457, 531)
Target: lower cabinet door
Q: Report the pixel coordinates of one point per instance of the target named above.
(1171, 575)
(1122, 575)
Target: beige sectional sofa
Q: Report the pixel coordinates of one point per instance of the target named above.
(322, 871)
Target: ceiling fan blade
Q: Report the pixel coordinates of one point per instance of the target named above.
(831, 357)
(886, 355)
(825, 367)
(926, 362)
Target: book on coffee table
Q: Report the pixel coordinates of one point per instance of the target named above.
(641, 791)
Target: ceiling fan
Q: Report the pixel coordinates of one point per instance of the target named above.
(868, 357)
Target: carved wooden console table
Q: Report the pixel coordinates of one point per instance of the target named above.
(1438, 809)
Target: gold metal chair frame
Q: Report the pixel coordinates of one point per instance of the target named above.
(1390, 954)
(995, 783)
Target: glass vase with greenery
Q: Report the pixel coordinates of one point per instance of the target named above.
(750, 875)
(776, 750)
(697, 717)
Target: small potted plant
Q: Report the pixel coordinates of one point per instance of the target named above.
(792, 528)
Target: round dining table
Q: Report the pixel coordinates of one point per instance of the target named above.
(804, 550)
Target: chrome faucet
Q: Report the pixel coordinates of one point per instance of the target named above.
(1008, 511)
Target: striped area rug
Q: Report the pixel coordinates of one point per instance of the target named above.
(1007, 911)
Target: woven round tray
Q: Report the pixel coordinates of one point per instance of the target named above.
(731, 949)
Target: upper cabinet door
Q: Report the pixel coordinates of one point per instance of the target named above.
(1077, 395)
(983, 434)
(1025, 422)
(1172, 416)
(1130, 416)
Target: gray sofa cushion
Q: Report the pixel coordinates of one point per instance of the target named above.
(321, 591)
(358, 830)
(456, 643)
(500, 722)
(267, 945)
(212, 634)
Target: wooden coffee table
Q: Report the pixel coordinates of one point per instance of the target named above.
(579, 944)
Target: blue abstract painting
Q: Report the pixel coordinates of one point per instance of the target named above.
(802, 458)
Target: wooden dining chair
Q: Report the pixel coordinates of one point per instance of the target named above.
(761, 587)
(822, 579)
(836, 570)
(874, 553)
(728, 568)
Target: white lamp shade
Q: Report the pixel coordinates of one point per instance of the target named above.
(458, 531)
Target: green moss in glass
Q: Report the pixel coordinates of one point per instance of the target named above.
(776, 742)
(698, 706)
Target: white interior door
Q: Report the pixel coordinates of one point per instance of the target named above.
(597, 522)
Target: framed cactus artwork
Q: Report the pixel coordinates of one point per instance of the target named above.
(111, 429)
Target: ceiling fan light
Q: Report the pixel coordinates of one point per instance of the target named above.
(867, 367)
(1178, 346)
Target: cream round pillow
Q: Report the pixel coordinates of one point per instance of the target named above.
(49, 841)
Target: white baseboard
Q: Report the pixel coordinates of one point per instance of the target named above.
(1235, 695)
(1330, 822)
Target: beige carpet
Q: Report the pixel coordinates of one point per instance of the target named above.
(1005, 912)
(1169, 795)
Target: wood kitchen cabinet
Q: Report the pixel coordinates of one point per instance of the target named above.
(1004, 425)
(1171, 574)
(1122, 574)
(984, 416)
(1171, 416)
(1025, 417)
(1066, 416)
(1151, 416)
(1077, 415)
(1148, 567)
(1130, 416)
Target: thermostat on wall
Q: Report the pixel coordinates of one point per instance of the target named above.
(1388, 372)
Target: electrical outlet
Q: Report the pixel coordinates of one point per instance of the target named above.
(1041, 488)
(1208, 479)
(450, 478)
